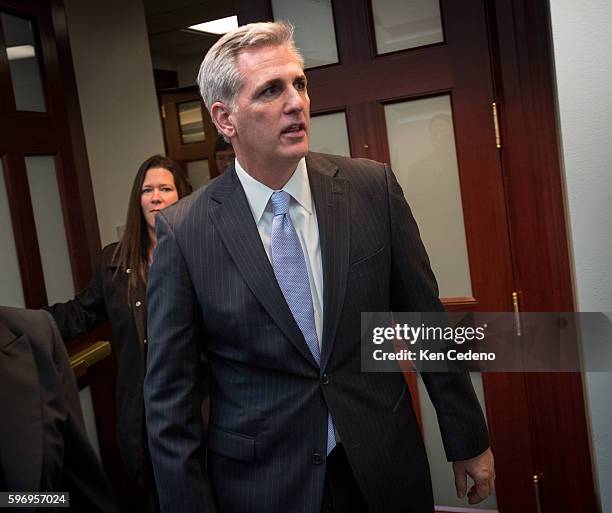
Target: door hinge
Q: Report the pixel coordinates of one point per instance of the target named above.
(163, 112)
(496, 126)
(517, 314)
(536, 488)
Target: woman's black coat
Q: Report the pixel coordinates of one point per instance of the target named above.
(106, 298)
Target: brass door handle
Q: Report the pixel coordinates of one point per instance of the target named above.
(92, 354)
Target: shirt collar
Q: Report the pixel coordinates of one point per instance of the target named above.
(258, 194)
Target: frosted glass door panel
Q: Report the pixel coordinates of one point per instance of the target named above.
(404, 25)
(423, 157)
(21, 50)
(191, 122)
(89, 416)
(328, 134)
(315, 35)
(50, 230)
(11, 288)
(442, 476)
(198, 172)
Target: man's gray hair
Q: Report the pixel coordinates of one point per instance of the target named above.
(219, 78)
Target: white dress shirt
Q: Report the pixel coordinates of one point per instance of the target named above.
(304, 218)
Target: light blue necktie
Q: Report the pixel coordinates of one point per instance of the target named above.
(292, 275)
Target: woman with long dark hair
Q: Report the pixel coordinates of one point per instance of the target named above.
(117, 293)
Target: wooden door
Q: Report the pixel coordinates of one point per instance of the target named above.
(189, 134)
(458, 66)
(40, 117)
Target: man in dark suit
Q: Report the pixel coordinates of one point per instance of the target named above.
(43, 444)
(268, 270)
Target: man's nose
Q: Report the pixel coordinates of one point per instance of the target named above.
(295, 100)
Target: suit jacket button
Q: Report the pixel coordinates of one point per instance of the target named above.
(138, 303)
(317, 459)
(325, 379)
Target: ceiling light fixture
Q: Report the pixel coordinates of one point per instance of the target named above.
(220, 26)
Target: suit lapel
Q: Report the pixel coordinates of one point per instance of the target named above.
(331, 197)
(21, 433)
(235, 225)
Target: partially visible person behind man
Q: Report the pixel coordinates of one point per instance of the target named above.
(268, 270)
(224, 154)
(43, 443)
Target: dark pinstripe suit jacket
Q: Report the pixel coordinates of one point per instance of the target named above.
(43, 443)
(212, 287)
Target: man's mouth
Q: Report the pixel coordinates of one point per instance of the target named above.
(294, 128)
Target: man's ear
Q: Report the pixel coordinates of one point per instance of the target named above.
(220, 114)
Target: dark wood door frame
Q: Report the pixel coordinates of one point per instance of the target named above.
(524, 87)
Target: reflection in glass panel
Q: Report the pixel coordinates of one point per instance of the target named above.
(23, 63)
(198, 172)
(403, 25)
(315, 35)
(50, 230)
(442, 476)
(191, 122)
(328, 134)
(422, 147)
(11, 288)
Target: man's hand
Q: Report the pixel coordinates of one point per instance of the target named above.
(482, 470)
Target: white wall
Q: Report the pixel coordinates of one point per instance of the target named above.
(114, 76)
(582, 41)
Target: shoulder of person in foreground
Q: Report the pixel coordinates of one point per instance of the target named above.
(328, 161)
(69, 462)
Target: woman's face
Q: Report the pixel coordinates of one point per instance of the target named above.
(158, 192)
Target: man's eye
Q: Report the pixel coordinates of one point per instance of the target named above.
(300, 86)
(270, 91)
